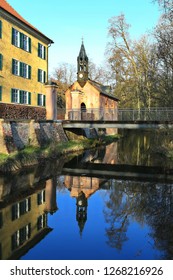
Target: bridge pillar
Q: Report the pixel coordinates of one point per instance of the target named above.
(51, 101)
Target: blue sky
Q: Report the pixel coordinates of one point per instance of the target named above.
(67, 21)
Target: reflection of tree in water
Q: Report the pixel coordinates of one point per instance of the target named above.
(144, 203)
(145, 148)
(117, 218)
(160, 218)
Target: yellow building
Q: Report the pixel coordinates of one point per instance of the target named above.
(23, 66)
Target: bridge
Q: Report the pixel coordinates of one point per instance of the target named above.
(153, 118)
(120, 171)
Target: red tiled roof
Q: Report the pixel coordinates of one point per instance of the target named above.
(5, 6)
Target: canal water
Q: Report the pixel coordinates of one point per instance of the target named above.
(112, 203)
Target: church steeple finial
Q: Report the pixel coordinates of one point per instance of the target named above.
(82, 66)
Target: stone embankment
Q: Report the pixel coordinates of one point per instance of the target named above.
(28, 143)
(16, 135)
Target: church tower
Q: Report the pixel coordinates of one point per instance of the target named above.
(82, 66)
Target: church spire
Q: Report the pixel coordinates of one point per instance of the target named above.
(82, 66)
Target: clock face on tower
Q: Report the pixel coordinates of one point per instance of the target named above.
(81, 75)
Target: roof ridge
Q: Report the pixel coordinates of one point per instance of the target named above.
(9, 9)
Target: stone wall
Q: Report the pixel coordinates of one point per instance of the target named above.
(15, 135)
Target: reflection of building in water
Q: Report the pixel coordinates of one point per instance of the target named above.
(81, 211)
(110, 154)
(23, 223)
(81, 188)
(106, 154)
(76, 185)
(51, 205)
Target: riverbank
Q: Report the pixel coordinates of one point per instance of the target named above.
(31, 155)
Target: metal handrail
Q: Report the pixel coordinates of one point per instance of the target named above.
(124, 114)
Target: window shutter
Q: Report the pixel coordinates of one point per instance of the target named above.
(29, 98)
(13, 212)
(44, 100)
(29, 72)
(1, 61)
(29, 204)
(29, 45)
(12, 95)
(21, 97)
(38, 75)
(44, 52)
(38, 99)
(39, 49)
(0, 93)
(12, 36)
(21, 69)
(0, 29)
(44, 77)
(21, 40)
(13, 62)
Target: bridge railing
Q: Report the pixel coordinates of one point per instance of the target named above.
(92, 114)
(144, 114)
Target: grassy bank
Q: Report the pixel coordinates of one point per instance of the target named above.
(34, 155)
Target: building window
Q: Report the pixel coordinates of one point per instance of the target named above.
(0, 29)
(20, 40)
(15, 94)
(25, 43)
(41, 197)
(20, 96)
(41, 221)
(41, 51)
(15, 37)
(20, 208)
(25, 97)
(0, 93)
(1, 61)
(41, 76)
(41, 99)
(25, 70)
(15, 67)
(20, 236)
(21, 69)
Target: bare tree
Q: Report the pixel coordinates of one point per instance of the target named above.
(164, 36)
(63, 76)
(132, 65)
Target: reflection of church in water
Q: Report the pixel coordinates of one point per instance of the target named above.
(82, 187)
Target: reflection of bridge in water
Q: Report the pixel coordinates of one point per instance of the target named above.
(120, 171)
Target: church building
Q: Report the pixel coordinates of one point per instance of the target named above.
(87, 99)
